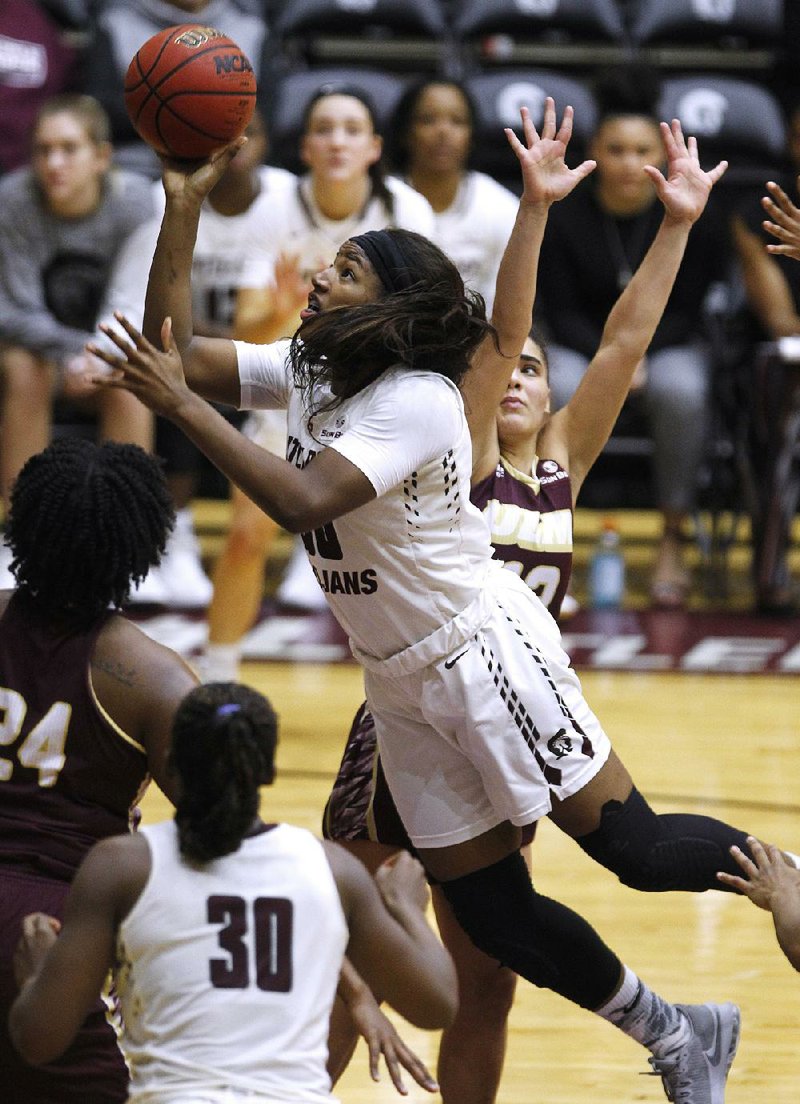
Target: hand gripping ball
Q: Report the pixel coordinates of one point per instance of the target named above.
(189, 90)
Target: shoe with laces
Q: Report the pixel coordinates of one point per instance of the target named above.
(696, 1072)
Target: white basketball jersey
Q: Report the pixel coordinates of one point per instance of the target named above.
(217, 263)
(405, 564)
(474, 231)
(297, 227)
(227, 971)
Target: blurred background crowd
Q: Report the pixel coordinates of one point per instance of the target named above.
(391, 112)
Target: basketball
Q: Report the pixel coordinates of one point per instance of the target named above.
(189, 90)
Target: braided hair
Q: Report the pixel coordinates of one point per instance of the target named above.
(223, 748)
(432, 325)
(86, 522)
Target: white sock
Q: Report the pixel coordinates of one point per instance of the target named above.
(644, 1016)
(220, 663)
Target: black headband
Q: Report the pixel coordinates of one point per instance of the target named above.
(386, 255)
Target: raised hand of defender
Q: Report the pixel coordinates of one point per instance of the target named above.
(546, 177)
(685, 189)
(154, 375)
(783, 222)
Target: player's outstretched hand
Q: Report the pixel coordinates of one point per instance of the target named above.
(773, 884)
(783, 222)
(767, 875)
(383, 1040)
(154, 375)
(685, 189)
(39, 933)
(546, 177)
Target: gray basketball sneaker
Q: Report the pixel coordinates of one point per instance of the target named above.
(698, 1069)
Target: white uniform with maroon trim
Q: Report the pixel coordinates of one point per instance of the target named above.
(479, 716)
(227, 972)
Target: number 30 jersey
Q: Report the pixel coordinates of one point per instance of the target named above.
(227, 972)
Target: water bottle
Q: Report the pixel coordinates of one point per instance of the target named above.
(607, 570)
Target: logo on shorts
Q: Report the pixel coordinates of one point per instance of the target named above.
(560, 744)
(450, 663)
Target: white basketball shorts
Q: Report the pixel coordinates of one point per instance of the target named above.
(488, 732)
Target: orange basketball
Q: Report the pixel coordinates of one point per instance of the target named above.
(189, 90)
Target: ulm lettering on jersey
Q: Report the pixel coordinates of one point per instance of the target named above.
(511, 524)
(347, 582)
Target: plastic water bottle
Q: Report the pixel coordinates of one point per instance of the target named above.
(607, 570)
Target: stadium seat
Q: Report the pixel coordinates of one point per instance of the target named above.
(293, 91)
(558, 32)
(733, 118)
(404, 34)
(498, 96)
(713, 34)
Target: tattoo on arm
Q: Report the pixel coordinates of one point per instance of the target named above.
(117, 670)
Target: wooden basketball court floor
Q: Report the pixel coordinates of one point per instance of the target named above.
(717, 744)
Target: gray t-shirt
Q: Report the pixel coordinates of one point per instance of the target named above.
(53, 271)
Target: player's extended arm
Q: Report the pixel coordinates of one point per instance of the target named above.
(392, 946)
(210, 363)
(59, 987)
(297, 499)
(767, 288)
(546, 179)
(583, 426)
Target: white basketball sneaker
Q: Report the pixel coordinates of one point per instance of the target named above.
(697, 1070)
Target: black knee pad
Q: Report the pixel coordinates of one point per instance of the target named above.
(658, 853)
(540, 939)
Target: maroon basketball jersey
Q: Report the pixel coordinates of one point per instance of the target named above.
(68, 775)
(530, 520)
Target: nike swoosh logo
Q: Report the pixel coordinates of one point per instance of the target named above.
(448, 663)
(628, 1008)
(715, 1058)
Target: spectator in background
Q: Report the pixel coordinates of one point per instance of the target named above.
(36, 62)
(595, 240)
(430, 141)
(120, 28)
(232, 217)
(772, 286)
(343, 193)
(62, 221)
